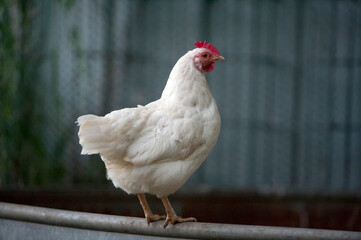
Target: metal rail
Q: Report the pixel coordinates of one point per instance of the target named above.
(131, 225)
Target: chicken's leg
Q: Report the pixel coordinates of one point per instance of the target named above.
(172, 216)
(149, 216)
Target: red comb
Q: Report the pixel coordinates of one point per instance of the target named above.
(208, 46)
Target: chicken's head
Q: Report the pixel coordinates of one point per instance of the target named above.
(205, 58)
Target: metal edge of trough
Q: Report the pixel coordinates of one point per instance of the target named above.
(132, 225)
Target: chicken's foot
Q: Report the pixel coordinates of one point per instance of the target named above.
(149, 215)
(172, 216)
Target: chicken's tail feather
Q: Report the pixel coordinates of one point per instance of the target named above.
(94, 136)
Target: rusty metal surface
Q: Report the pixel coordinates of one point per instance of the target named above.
(216, 206)
(131, 225)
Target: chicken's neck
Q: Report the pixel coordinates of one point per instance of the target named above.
(187, 85)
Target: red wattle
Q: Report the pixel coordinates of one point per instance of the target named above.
(209, 67)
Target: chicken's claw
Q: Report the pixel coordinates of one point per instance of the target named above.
(176, 219)
(154, 217)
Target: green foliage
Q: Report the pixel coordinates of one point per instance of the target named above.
(24, 159)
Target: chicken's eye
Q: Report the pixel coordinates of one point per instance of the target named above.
(205, 55)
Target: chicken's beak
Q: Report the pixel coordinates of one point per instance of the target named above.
(219, 58)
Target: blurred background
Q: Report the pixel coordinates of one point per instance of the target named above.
(289, 95)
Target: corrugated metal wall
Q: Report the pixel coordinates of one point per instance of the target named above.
(289, 92)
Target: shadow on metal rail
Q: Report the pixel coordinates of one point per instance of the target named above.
(21, 222)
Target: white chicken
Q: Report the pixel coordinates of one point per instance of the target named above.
(155, 148)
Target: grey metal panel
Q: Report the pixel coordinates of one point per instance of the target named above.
(289, 93)
(130, 225)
